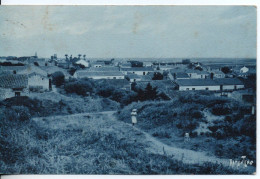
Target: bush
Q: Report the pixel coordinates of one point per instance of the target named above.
(219, 109)
(105, 91)
(58, 78)
(79, 87)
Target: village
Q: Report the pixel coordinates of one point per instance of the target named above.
(24, 75)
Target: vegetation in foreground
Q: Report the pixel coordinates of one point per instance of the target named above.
(83, 147)
(231, 135)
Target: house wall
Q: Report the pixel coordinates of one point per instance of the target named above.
(9, 93)
(219, 76)
(198, 76)
(193, 75)
(232, 87)
(38, 81)
(138, 72)
(211, 88)
(134, 80)
(106, 77)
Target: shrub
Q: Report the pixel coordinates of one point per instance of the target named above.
(79, 87)
(219, 109)
(105, 91)
(58, 78)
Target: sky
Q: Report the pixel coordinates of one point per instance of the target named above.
(129, 31)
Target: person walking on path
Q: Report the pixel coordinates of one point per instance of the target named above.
(134, 116)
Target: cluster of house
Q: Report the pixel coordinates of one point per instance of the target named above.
(35, 75)
(19, 80)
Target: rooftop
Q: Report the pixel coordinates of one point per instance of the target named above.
(13, 81)
(209, 82)
(138, 69)
(182, 75)
(196, 82)
(229, 81)
(84, 73)
(104, 69)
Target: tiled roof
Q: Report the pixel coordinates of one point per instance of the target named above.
(229, 81)
(197, 82)
(82, 74)
(104, 69)
(182, 75)
(13, 81)
(138, 69)
(209, 82)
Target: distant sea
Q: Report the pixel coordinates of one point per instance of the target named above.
(226, 61)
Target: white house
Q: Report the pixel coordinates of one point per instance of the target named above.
(99, 75)
(197, 84)
(219, 84)
(244, 70)
(196, 74)
(38, 82)
(82, 62)
(230, 84)
(137, 70)
(13, 85)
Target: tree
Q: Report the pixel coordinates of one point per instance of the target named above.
(150, 93)
(72, 71)
(66, 55)
(36, 63)
(84, 56)
(225, 70)
(157, 76)
(58, 78)
(141, 95)
(79, 55)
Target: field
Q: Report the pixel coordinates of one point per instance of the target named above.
(97, 143)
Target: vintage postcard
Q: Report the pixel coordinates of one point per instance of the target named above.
(128, 90)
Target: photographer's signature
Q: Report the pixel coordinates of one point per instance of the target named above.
(240, 163)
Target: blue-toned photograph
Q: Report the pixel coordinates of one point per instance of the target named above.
(132, 90)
